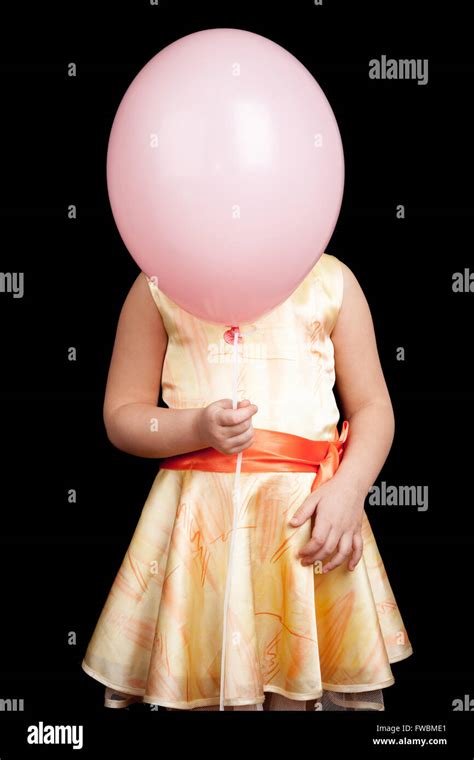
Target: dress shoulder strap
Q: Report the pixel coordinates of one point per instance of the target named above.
(164, 304)
(328, 277)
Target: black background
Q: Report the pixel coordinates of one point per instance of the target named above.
(405, 144)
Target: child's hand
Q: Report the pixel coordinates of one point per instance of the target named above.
(337, 526)
(225, 429)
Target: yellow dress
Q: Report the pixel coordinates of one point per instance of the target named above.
(296, 632)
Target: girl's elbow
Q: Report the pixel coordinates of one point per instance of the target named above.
(112, 429)
(389, 418)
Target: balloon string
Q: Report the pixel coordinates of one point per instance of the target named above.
(235, 502)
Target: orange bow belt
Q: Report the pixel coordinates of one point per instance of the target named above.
(272, 451)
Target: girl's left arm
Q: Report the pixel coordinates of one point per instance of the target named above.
(339, 503)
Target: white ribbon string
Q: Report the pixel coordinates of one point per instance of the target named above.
(235, 503)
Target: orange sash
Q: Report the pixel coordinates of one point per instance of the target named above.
(272, 451)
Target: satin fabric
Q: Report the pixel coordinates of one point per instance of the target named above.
(273, 451)
(296, 632)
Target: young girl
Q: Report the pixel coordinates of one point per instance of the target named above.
(312, 620)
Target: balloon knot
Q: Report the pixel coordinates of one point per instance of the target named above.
(229, 334)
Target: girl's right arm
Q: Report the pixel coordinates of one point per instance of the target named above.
(133, 421)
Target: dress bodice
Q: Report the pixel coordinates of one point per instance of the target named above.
(285, 360)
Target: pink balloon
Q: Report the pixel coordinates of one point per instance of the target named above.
(225, 173)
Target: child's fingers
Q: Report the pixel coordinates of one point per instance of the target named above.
(232, 430)
(235, 443)
(319, 538)
(328, 548)
(227, 403)
(358, 546)
(306, 510)
(343, 552)
(224, 403)
(236, 416)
